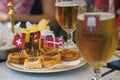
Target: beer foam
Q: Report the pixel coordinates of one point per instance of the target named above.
(103, 15)
(66, 4)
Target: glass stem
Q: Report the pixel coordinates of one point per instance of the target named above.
(70, 37)
(97, 73)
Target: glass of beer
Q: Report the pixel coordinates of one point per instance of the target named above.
(66, 15)
(97, 38)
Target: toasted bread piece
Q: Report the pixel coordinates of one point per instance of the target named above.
(32, 52)
(49, 61)
(33, 63)
(17, 57)
(70, 54)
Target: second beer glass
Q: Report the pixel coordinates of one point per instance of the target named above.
(66, 16)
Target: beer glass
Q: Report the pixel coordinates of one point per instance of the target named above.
(66, 15)
(96, 38)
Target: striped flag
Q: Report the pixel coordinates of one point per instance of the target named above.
(43, 39)
(26, 36)
(31, 36)
(52, 42)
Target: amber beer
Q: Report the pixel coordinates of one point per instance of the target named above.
(98, 46)
(66, 15)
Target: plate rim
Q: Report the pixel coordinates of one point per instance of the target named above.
(44, 71)
(6, 47)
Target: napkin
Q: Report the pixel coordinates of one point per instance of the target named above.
(114, 65)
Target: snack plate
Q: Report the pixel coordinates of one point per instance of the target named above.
(7, 46)
(64, 66)
(4, 50)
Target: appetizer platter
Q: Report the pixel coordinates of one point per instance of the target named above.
(52, 60)
(40, 51)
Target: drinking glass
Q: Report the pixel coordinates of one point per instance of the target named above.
(66, 15)
(97, 38)
(97, 35)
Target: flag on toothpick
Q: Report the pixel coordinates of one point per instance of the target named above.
(26, 36)
(19, 42)
(44, 38)
(52, 42)
(61, 40)
(36, 35)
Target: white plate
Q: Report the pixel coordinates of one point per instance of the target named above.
(64, 66)
(4, 50)
(7, 46)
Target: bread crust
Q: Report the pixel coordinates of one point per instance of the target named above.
(33, 63)
(17, 57)
(49, 61)
(69, 54)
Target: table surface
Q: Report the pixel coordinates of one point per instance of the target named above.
(82, 73)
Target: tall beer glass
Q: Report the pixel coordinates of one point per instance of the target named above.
(97, 38)
(66, 15)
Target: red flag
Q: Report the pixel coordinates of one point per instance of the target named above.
(43, 40)
(52, 42)
(36, 35)
(26, 36)
(19, 42)
(61, 40)
(41, 43)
